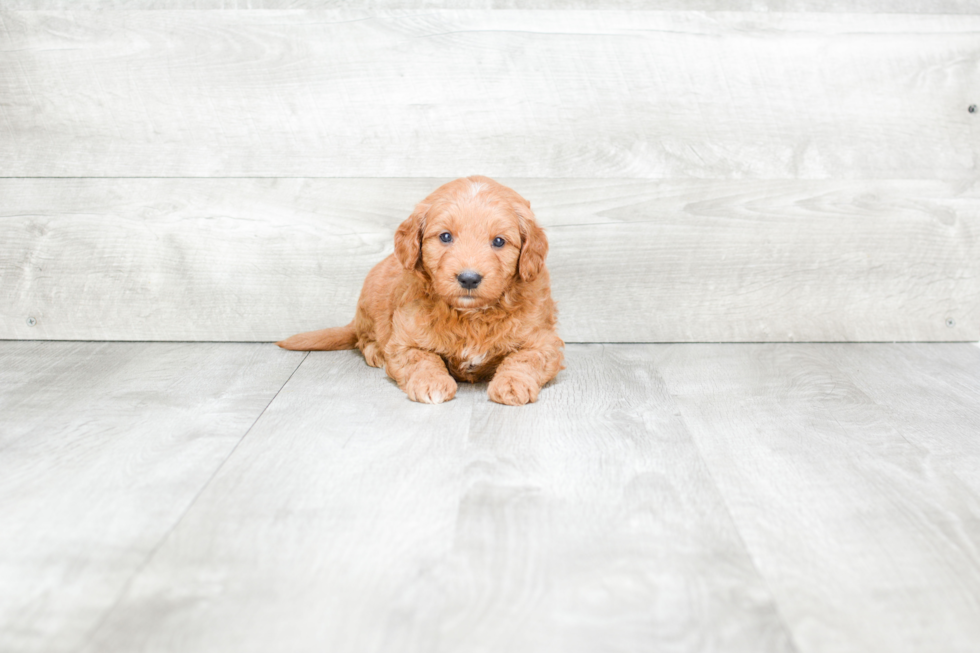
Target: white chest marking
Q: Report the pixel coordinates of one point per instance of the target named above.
(472, 360)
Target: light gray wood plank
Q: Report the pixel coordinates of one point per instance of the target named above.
(353, 520)
(867, 541)
(826, 6)
(346, 492)
(102, 449)
(931, 393)
(668, 261)
(556, 93)
(767, 261)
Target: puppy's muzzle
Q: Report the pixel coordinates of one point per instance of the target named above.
(469, 279)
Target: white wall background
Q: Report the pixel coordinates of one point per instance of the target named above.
(744, 171)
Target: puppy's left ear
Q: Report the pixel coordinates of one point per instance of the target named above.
(534, 244)
(408, 238)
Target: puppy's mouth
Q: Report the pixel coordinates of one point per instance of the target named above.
(468, 301)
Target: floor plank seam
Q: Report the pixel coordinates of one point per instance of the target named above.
(149, 556)
(791, 636)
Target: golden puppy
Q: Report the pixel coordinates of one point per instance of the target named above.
(465, 296)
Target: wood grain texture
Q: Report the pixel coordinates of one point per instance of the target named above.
(681, 497)
(351, 519)
(254, 259)
(102, 449)
(825, 6)
(930, 394)
(522, 93)
(867, 540)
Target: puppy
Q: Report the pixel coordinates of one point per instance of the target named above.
(465, 297)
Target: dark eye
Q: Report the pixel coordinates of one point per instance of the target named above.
(498, 242)
(446, 237)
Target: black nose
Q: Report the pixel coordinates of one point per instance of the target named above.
(469, 279)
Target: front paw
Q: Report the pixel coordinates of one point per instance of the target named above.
(513, 390)
(430, 388)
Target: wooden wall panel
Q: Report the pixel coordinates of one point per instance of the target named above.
(522, 93)
(824, 6)
(705, 175)
(631, 260)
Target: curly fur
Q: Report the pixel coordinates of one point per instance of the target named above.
(417, 321)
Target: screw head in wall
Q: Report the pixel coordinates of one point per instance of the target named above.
(972, 108)
(950, 322)
(31, 321)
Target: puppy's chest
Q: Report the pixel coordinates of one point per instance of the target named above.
(473, 363)
(473, 350)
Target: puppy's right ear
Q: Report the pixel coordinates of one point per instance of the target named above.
(534, 244)
(408, 239)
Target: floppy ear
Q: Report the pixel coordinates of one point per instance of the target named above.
(408, 239)
(534, 244)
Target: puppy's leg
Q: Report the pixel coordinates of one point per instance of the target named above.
(520, 376)
(373, 354)
(421, 374)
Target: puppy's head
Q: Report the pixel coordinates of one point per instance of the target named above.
(472, 239)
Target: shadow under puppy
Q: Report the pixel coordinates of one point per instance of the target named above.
(465, 296)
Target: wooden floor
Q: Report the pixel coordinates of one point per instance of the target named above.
(236, 497)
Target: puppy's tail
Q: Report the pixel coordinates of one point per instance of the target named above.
(323, 340)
